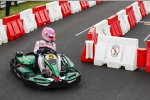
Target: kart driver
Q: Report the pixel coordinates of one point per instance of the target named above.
(48, 35)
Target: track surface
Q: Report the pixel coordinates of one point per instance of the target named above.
(98, 83)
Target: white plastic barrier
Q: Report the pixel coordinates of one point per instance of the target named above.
(116, 52)
(124, 23)
(102, 28)
(92, 3)
(147, 6)
(54, 11)
(89, 49)
(3, 34)
(75, 6)
(137, 12)
(28, 20)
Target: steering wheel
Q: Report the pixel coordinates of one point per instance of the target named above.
(47, 50)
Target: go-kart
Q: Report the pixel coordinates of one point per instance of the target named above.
(63, 72)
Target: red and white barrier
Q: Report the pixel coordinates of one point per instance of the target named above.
(54, 11)
(102, 28)
(114, 24)
(147, 6)
(41, 15)
(3, 34)
(89, 49)
(142, 8)
(124, 23)
(116, 52)
(137, 12)
(29, 22)
(14, 26)
(65, 8)
(75, 6)
(92, 3)
(84, 4)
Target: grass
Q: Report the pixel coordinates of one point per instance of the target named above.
(21, 7)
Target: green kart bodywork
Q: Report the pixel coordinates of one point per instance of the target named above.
(26, 68)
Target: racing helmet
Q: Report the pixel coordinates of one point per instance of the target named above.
(48, 34)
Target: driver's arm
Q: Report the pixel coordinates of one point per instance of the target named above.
(36, 47)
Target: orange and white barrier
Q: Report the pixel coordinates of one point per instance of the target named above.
(116, 52)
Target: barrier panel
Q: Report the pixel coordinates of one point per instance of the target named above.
(148, 57)
(89, 49)
(92, 3)
(98, 1)
(41, 15)
(65, 8)
(75, 6)
(131, 16)
(142, 8)
(14, 26)
(3, 34)
(137, 12)
(116, 52)
(29, 22)
(124, 23)
(54, 11)
(84, 4)
(141, 57)
(102, 28)
(147, 6)
(114, 24)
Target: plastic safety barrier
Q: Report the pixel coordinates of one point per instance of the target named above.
(84, 4)
(131, 16)
(124, 23)
(75, 6)
(116, 52)
(29, 22)
(141, 57)
(92, 3)
(147, 6)
(137, 12)
(89, 49)
(3, 34)
(142, 8)
(41, 15)
(14, 26)
(102, 28)
(54, 11)
(65, 8)
(115, 28)
(148, 57)
(98, 1)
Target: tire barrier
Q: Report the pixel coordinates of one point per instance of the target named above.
(28, 20)
(112, 49)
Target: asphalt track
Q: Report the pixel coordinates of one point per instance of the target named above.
(98, 83)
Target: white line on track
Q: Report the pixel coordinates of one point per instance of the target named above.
(144, 21)
(147, 37)
(82, 31)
